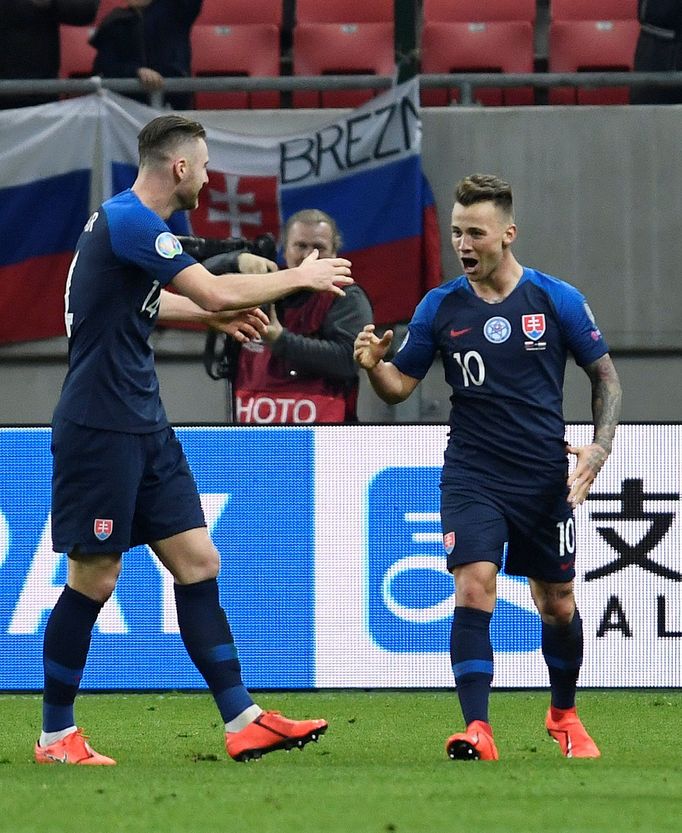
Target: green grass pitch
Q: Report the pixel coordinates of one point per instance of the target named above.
(381, 768)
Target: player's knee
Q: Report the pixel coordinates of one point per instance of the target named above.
(200, 565)
(557, 609)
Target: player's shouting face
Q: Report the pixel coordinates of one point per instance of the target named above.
(481, 233)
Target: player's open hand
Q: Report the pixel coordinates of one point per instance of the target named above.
(369, 349)
(242, 325)
(326, 274)
(590, 460)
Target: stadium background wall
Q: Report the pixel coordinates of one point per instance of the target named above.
(333, 568)
(598, 202)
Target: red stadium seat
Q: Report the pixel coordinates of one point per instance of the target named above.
(344, 11)
(591, 46)
(341, 49)
(77, 56)
(478, 47)
(240, 12)
(593, 9)
(251, 49)
(474, 11)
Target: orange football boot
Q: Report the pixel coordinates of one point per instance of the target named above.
(271, 731)
(73, 749)
(566, 728)
(476, 744)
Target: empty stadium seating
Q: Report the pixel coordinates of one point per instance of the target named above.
(244, 50)
(341, 49)
(496, 46)
(593, 9)
(591, 46)
(344, 11)
(474, 11)
(240, 12)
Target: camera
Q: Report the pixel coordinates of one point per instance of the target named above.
(202, 248)
(220, 352)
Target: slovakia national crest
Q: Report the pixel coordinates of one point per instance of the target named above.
(533, 325)
(103, 527)
(449, 542)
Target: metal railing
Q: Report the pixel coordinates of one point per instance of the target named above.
(466, 83)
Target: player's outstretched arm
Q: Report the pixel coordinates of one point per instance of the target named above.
(242, 325)
(237, 291)
(606, 404)
(389, 383)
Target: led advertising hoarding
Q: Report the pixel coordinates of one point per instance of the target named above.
(333, 568)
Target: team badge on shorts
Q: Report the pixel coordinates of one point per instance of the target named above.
(449, 542)
(497, 329)
(103, 527)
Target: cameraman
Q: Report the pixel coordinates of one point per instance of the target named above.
(301, 370)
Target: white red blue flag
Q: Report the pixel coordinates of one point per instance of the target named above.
(363, 168)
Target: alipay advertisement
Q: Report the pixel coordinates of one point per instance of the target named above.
(333, 568)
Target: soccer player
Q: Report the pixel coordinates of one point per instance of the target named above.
(504, 331)
(120, 477)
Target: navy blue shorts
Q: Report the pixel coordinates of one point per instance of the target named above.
(529, 535)
(112, 491)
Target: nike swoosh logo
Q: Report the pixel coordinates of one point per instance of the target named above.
(57, 759)
(457, 333)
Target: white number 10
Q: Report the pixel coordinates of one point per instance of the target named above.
(472, 367)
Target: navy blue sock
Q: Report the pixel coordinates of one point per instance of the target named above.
(471, 652)
(65, 649)
(562, 648)
(209, 642)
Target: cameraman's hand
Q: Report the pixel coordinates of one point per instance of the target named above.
(242, 325)
(250, 264)
(326, 274)
(274, 329)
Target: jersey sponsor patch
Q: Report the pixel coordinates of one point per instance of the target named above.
(497, 329)
(449, 542)
(103, 527)
(534, 325)
(168, 245)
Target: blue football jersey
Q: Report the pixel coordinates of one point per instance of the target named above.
(123, 258)
(505, 364)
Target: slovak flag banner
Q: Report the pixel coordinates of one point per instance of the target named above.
(47, 155)
(363, 168)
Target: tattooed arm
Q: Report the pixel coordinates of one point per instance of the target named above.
(606, 399)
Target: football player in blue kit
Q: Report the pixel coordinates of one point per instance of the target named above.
(504, 332)
(120, 477)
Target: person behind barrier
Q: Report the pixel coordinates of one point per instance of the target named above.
(659, 49)
(302, 369)
(29, 40)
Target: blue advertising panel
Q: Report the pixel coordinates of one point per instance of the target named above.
(257, 491)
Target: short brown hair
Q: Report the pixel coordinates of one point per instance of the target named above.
(311, 217)
(163, 134)
(484, 188)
